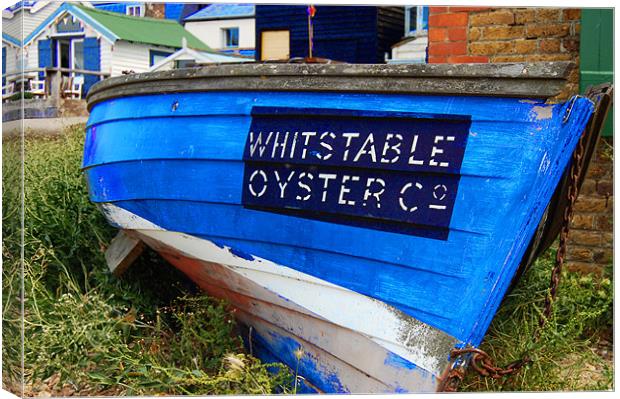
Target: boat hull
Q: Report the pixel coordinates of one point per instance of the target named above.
(350, 349)
(375, 215)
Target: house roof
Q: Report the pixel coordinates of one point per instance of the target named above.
(222, 11)
(10, 39)
(162, 32)
(200, 57)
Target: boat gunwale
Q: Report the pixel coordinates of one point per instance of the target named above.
(521, 80)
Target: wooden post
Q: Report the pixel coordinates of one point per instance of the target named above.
(122, 252)
(54, 77)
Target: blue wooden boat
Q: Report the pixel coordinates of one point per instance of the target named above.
(363, 220)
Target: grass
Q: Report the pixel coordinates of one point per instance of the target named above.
(150, 333)
(566, 357)
(87, 332)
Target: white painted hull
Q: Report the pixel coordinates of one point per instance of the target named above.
(350, 342)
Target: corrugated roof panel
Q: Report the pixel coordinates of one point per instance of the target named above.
(221, 11)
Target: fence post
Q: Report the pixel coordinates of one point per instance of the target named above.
(53, 80)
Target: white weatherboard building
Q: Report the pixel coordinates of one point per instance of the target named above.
(79, 37)
(228, 28)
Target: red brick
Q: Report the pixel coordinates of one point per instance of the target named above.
(466, 59)
(437, 60)
(448, 48)
(450, 19)
(437, 10)
(437, 34)
(468, 9)
(457, 34)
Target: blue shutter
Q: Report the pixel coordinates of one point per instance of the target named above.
(425, 18)
(92, 61)
(45, 55)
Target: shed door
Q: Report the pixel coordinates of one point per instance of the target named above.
(597, 52)
(275, 45)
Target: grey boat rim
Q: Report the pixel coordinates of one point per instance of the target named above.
(536, 80)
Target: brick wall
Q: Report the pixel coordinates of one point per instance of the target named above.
(485, 34)
(590, 245)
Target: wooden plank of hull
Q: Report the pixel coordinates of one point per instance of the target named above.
(347, 349)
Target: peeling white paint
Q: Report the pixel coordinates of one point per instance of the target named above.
(419, 343)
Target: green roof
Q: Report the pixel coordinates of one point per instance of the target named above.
(162, 32)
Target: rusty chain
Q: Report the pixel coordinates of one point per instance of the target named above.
(481, 361)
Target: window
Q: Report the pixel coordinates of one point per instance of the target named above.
(184, 63)
(78, 53)
(156, 56)
(69, 54)
(136, 11)
(416, 20)
(231, 37)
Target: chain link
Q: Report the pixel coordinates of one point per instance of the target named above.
(480, 361)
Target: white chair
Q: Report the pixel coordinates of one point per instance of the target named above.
(74, 89)
(8, 90)
(37, 88)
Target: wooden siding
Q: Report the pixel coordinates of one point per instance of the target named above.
(390, 28)
(13, 26)
(11, 58)
(342, 33)
(133, 57)
(105, 56)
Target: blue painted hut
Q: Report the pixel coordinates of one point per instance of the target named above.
(354, 34)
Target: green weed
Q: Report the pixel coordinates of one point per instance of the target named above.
(563, 357)
(87, 332)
